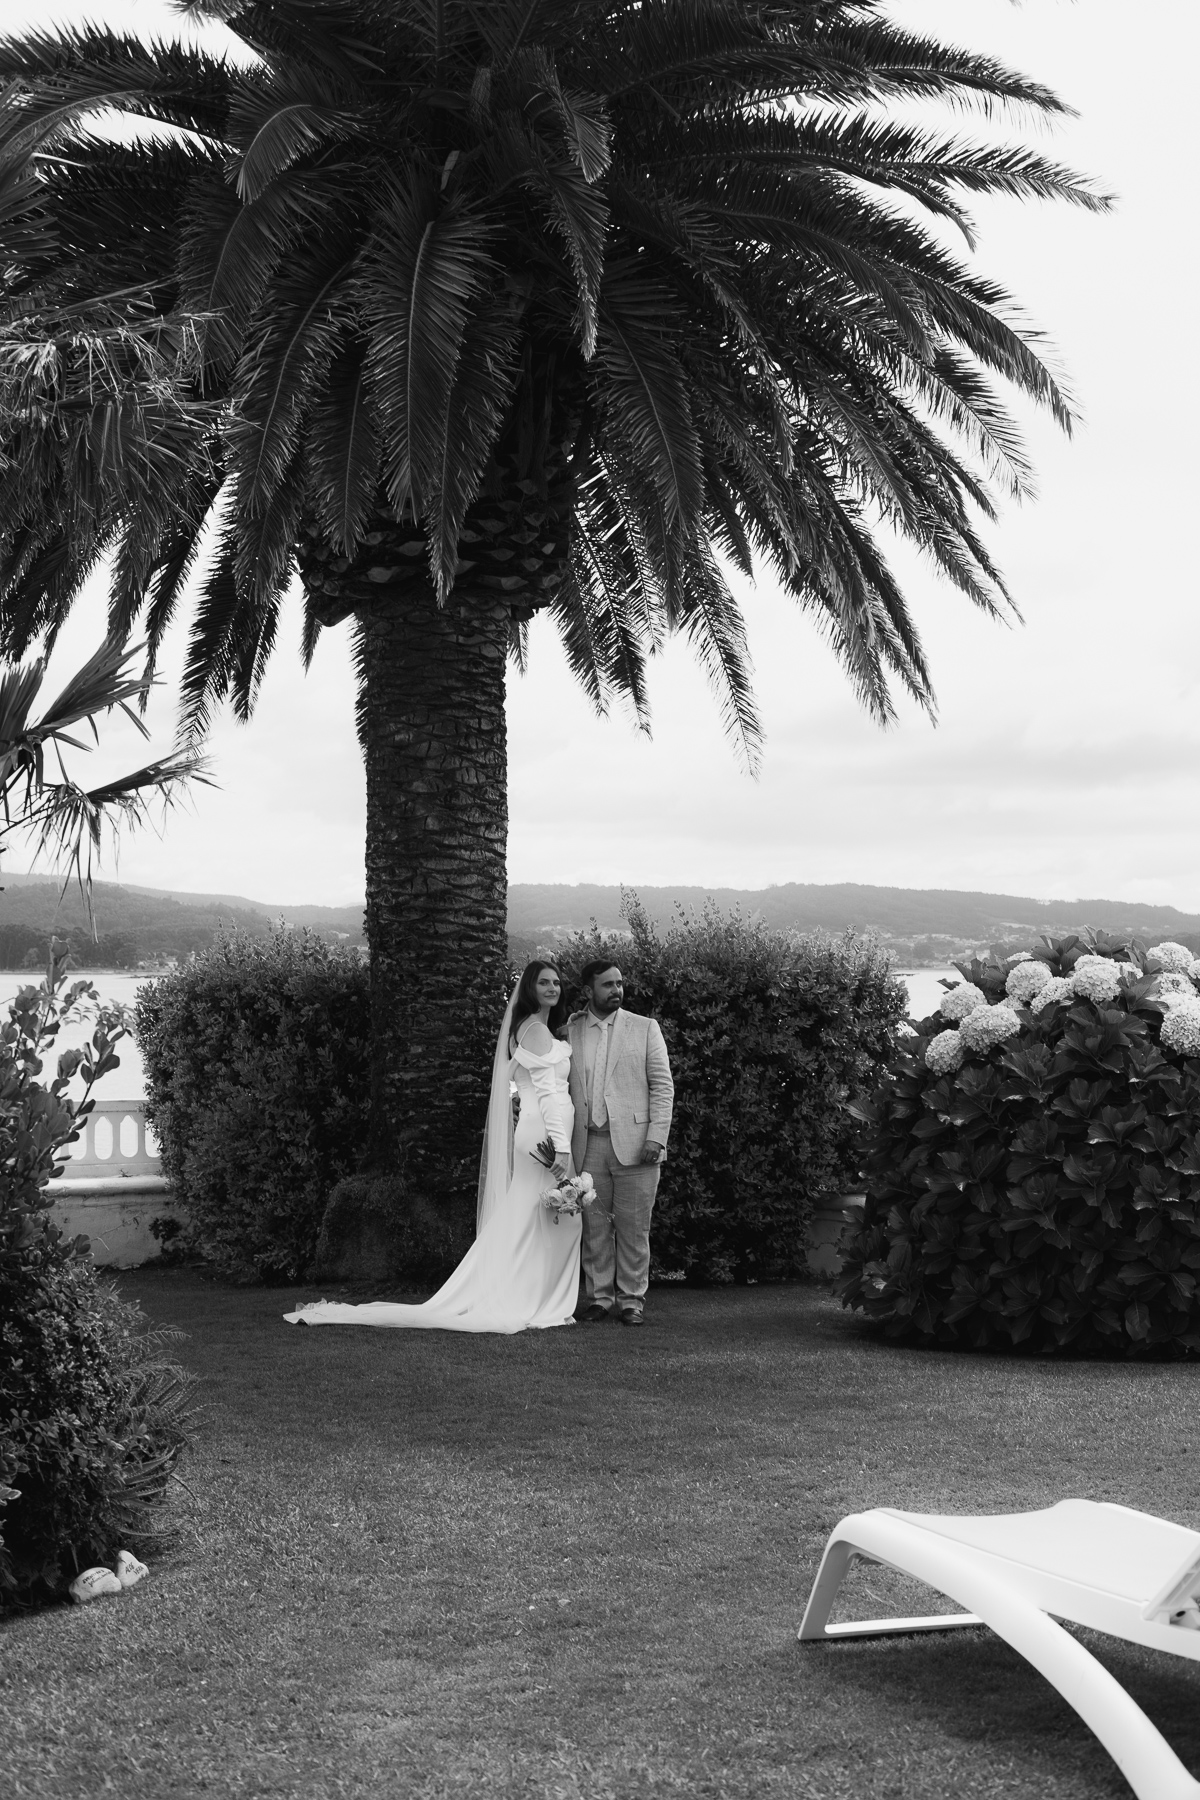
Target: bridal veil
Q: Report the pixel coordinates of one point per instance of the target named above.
(496, 1157)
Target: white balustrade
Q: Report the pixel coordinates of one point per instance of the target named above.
(114, 1140)
(113, 1187)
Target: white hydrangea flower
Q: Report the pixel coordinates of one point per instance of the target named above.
(1181, 1028)
(1130, 969)
(1091, 961)
(1096, 981)
(1176, 958)
(1057, 988)
(958, 1001)
(944, 1053)
(1172, 982)
(1019, 956)
(1194, 971)
(988, 1025)
(1025, 979)
(1178, 998)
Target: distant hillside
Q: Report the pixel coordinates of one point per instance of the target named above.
(140, 926)
(334, 916)
(322, 918)
(921, 924)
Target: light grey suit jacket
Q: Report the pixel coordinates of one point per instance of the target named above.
(638, 1090)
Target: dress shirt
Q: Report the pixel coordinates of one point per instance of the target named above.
(596, 1040)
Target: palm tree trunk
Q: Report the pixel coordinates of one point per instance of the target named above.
(432, 727)
(435, 747)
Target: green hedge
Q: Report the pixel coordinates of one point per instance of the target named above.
(257, 1061)
(1033, 1174)
(768, 1033)
(257, 1054)
(92, 1417)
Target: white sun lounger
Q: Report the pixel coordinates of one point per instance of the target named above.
(1099, 1565)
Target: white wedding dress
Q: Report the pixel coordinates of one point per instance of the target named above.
(522, 1271)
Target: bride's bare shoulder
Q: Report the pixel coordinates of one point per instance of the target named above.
(533, 1035)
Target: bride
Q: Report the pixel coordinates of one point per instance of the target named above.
(522, 1271)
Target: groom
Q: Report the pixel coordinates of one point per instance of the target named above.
(622, 1118)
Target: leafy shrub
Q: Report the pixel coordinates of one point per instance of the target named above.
(91, 1419)
(1042, 1193)
(257, 1057)
(767, 1033)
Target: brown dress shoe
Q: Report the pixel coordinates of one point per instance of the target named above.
(592, 1315)
(627, 1316)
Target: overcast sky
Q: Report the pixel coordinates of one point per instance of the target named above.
(1065, 760)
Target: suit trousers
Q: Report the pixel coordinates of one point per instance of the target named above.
(616, 1226)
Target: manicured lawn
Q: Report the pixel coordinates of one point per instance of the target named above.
(573, 1563)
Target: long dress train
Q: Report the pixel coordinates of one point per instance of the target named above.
(522, 1271)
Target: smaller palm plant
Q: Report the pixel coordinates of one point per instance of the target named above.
(67, 818)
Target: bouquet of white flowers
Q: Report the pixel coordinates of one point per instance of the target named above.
(568, 1196)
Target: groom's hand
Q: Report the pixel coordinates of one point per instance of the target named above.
(652, 1152)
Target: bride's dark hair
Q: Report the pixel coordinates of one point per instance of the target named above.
(527, 1002)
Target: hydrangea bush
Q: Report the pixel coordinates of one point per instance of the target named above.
(987, 1025)
(961, 1000)
(1033, 1158)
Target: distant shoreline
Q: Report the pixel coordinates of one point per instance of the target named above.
(922, 928)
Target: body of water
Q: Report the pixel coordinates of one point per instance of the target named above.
(129, 1081)
(113, 985)
(925, 988)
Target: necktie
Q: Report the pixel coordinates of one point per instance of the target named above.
(596, 1104)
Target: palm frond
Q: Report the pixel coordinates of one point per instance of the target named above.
(69, 821)
(102, 682)
(576, 211)
(63, 816)
(282, 368)
(212, 647)
(475, 415)
(582, 117)
(699, 602)
(421, 276)
(156, 558)
(344, 451)
(230, 251)
(643, 391)
(67, 73)
(291, 115)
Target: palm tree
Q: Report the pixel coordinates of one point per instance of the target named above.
(507, 306)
